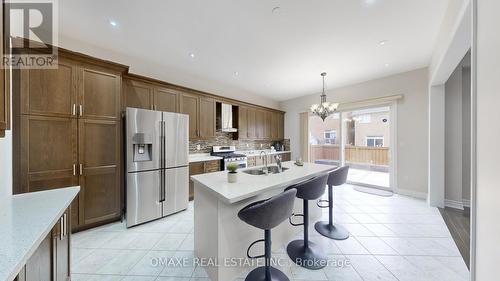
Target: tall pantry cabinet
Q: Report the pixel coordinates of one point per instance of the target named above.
(70, 134)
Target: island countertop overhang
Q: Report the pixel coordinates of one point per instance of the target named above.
(249, 186)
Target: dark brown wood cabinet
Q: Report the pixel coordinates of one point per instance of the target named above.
(206, 118)
(194, 169)
(50, 92)
(166, 99)
(242, 122)
(51, 261)
(189, 105)
(281, 126)
(99, 170)
(99, 96)
(198, 168)
(251, 123)
(259, 124)
(141, 92)
(49, 156)
(201, 111)
(138, 94)
(70, 134)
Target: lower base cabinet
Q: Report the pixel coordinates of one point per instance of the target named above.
(198, 168)
(51, 260)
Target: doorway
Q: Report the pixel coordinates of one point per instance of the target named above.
(360, 138)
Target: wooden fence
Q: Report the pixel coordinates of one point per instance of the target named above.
(353, 154)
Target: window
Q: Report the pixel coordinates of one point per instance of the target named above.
(375, 141)
(363, 119)
(330, 136)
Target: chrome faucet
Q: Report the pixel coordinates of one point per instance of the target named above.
(278, 162)
(266, 170)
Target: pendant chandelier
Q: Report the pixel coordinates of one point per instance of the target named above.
(324, 109)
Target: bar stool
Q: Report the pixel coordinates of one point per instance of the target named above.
(328, 229)
(304, 252)
(267, 214)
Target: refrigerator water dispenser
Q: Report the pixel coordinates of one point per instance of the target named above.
(142, 147)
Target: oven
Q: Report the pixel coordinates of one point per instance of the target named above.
(240, 161)
(228, 155)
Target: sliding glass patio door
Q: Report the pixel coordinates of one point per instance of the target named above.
(359, 138)
(367, 146)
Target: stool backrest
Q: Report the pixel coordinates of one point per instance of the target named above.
(338, 177)
(269, 213)
(311, 189)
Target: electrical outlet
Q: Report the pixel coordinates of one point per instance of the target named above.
(198, 147)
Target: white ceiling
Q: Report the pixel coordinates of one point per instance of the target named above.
(277, 55)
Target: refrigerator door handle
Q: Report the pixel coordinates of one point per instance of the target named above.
(162, 186)
(162, 161)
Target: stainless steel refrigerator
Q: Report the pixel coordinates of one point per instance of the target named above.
(157, 164)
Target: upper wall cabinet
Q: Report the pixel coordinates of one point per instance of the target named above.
(166, 99)
(99, 94)
(50, 92)
(145, 94)
(71, 90)
(259, 124)
(201, 111)
(138, 94)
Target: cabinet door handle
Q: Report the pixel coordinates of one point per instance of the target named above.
(61, 228)
(73, 109)
(80, 111)
(65, 224)
(74, 169)
(81, 169)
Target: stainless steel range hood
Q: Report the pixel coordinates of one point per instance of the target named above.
(227, 118)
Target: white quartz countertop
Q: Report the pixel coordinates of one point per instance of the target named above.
(25, 220)
(251, 185)
(202, 157)
(252, 153)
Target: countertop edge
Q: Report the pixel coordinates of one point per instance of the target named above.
(252, 194)
(198, 159)
(15, 270)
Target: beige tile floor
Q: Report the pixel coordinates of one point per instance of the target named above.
(392, 238)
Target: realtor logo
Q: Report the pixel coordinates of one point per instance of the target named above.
(31, 34)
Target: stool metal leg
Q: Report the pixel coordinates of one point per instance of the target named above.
(304, 252)
(328, 229)
(267, 272)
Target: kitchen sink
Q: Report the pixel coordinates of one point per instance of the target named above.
(261, 171)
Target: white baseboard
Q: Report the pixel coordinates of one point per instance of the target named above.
(412, 193)
(453, 204)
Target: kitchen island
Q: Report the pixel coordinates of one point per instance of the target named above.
(32, 225)
(221, 239)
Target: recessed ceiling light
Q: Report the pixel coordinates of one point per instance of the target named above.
(386, 65)
(383, 42)
(113, 23)
(370, 2)
(275, 10)
(191, 55)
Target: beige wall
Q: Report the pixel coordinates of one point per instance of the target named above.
(488, 134)
(457, 135)
(412, 122)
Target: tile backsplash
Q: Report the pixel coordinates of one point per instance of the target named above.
(222, 138)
